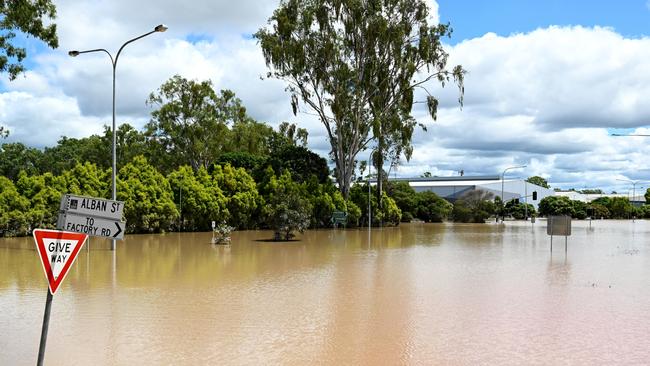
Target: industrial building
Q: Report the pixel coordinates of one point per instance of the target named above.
(452, 188)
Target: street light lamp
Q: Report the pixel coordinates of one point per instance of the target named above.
(75, 53)
(503, 214)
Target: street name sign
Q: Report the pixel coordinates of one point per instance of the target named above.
(93, 226)
(92, 206)
(57, 250)
(92, 216)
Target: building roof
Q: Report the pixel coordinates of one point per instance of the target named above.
(456, 178)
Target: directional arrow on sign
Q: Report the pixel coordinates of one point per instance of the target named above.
(119, 230)
(93, 226)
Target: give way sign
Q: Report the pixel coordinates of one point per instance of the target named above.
(58, 250)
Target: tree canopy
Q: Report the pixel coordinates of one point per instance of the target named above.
(191, 121)
(536, 179)
(32, 18)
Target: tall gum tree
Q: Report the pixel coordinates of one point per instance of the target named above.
(191, 121)
(356, 65)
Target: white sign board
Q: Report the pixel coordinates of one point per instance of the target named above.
(92, 206)
(93, 226)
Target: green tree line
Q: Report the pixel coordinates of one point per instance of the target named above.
(603, 207)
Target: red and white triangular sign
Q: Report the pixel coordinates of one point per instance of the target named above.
(58, 250)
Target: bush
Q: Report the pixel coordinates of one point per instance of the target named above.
(644, 212)
(354, 213)
(199, 200)
(390, 214)
(599, 211)
(240, 191)
(405, 198)
(474, 206)
(287, 210)
(579, 209)
(518, 210)
(431, 207)
(13, 210)
(620, 208)
(147, 196)
(556, 205)
(325, 199)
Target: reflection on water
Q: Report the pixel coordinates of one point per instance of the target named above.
(417, 294)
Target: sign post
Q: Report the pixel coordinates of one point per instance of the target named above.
(559, 225)
(58, 251)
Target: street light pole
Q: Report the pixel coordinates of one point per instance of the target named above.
(369, 193)
(634, 183)
(503, 203)
(158, 28)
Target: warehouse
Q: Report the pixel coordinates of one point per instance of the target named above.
(451, 188)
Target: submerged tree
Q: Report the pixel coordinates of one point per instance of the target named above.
(356, 64)
(473, 206)
(288, 209)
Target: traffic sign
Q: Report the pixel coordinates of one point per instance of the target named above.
(92, 206)
(339, 217)
(93, 226)
(57, 250)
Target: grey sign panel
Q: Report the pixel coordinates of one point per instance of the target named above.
(92, 206)
(93, 226)
(559, 225)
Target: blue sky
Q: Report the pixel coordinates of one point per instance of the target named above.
(548, 82)
(471, 19)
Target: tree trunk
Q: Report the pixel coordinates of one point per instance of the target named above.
(380, 172)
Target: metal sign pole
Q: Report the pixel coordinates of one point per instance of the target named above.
(551, 223)
(46, 324)
(566, 236)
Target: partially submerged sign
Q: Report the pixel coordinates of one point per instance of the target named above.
(92, 216)
(93, 226)
(559, 225)
(57, 250)
(339, 217)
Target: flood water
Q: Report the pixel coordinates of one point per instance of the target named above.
(421, 294)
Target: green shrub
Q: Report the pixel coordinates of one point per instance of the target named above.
(474, 206)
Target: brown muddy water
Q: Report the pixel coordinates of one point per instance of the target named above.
(421, 294)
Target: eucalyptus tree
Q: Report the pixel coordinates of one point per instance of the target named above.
(356, 65)
(190, 124)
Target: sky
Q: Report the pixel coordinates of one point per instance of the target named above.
(548, 82)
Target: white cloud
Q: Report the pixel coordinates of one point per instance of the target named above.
(40, 121)
(545, 98)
